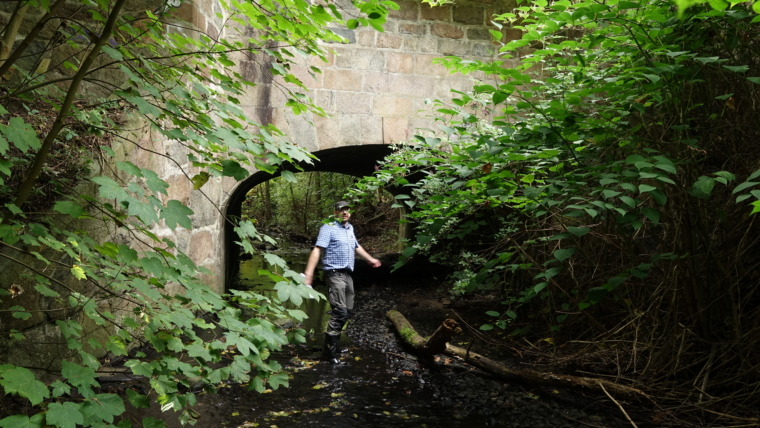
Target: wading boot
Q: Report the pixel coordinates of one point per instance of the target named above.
(330, 352)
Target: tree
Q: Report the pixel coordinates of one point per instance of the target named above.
(82, 75)
(594, 187)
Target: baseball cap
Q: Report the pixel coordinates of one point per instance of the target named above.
(340, 205)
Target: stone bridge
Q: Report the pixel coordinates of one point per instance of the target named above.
(374, 87)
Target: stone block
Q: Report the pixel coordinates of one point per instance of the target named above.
(396, 62)
(415, 86)
(388, 41)
(511, 34)
(454, 47)
(201, 246)
(361, 59)
(408, 10)
(260, 115)
(328, 132)
(372, 130)
(444, 86)
(426, 65)
(410, 43)
(478, 34)
(179, 188)
(350, 129)
(344, 80)
(309, 79)
(435, 13)
(447, 31)
(483, 50)
(326, 100)
(353, 102)
(384, 105)
(428, 44)
(412, 28)
(366, 38)
(302, 130)
(205, 213)
(423, 126)
(470, 15)
(318, 62)
(395, 130)
(376, 82)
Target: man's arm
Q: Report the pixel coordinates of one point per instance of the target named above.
(311, 264)
(365, 255)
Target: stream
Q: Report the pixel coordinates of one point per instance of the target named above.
(381, 385)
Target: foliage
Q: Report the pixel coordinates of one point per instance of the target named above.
(593, 173)
(186, 85)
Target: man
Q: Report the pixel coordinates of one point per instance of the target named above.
(337, 245)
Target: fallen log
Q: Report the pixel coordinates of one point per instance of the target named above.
(504, 373)
(436, 344)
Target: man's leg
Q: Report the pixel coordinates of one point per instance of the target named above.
(338, 283)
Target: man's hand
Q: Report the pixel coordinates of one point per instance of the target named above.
(374, 262)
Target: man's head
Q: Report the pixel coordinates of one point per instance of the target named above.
(342, 211)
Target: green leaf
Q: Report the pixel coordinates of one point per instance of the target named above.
(234, 170)
(486, 327)
(21, 134)
(737, 69)
(79, 377)
(175, 214)
(745, 185)
(652, 214)
(138, 400)
(22, 421)
(289, 177)
(60, 388)
(103, 407)
(153, 423)
(493, 313)
(564, 254)
(578, 231)
(645, 188)
(66, 415)
(21, 381)
(596, 294)
(78, 272)
(69, 207)
(200, 179)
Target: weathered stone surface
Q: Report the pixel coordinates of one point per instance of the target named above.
(388, 41)
(350, 129)
(353, 102)
(345, 80)
(410, 44)
(201, 246)
(302, 131)
(366, 38)
(483, 50)
(454, 47)
(445, 85)
(435, 13)
(408, 10)
(179, 188)
(470, 15)
(417, 86)
(412, 28)
(426, 65)
(384, 105)
(395, 129)
(326, 100)
(448, 31)
(376, 82)
(478, 34)
(360, 59)
(428, 44)
(511, 34)
(372, 130)
(328, 132)
(399, 63)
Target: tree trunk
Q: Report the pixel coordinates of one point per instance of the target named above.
(431, 346)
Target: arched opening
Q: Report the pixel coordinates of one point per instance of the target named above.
(357, 161)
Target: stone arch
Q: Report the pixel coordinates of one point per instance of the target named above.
(358, 161)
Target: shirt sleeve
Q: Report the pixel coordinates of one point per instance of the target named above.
(323, 239)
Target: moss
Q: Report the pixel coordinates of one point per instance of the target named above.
(407, 334)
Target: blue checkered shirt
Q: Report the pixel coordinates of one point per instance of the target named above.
(339, 245)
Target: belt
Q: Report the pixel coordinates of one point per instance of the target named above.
(344, 270)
